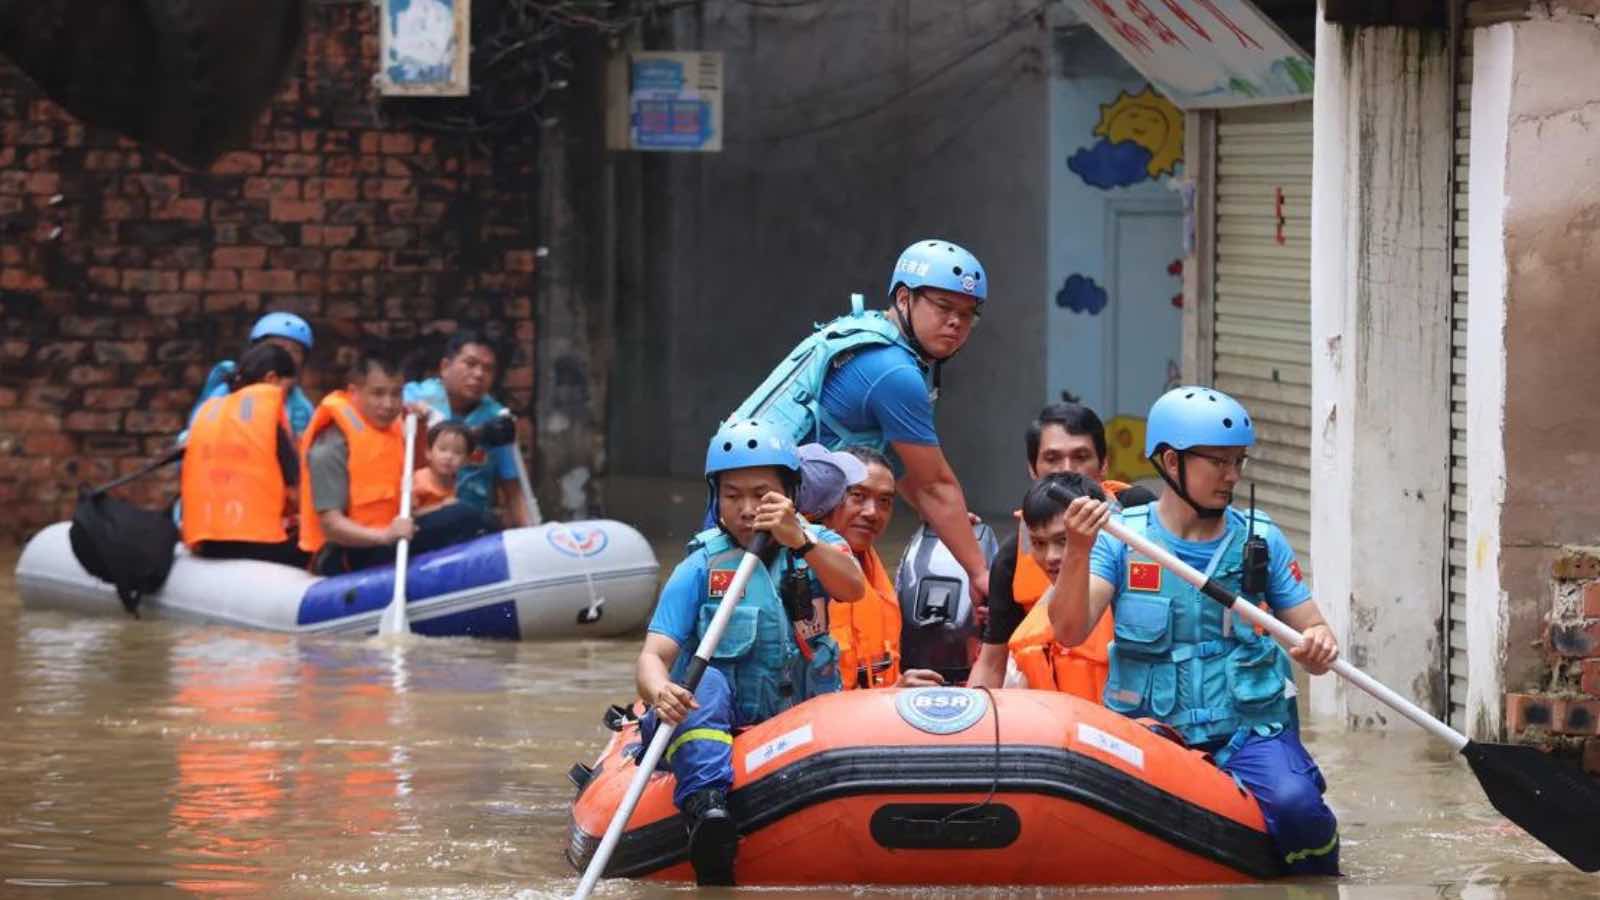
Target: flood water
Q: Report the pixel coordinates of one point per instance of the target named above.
(151, 759)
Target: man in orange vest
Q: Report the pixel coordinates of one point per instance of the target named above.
(354, 454)
(1066, 437)
(242, 465)
(868, 630)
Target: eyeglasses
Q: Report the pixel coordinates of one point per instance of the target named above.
(1223, 463)
(966, 318)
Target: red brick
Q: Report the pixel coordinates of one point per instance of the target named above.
(297, 258)
(239, 257)
(1591, 600)
(520, 261)
(1524, 711)
(397, 143)
(237, 163)
(1575, 640)
(295, 164)
(48, 444)
(211, 280)
(296, 211)
(1591, 756)
(91, 375)
(172, 305)
(118, 208)
(519, 377)
(182, 209)
(175, 351)
(331, 189)
(8, 397)
(83, 420)
(329, 235)
(1590, 682)
(63, 352)
(105, 276)
(355, 260)
(149, 280)
(111, 398)
(121, 351)
(18, 421)
(142, 422)
(22, 280)
(389, 189)
(267, 281)
(232, 302)
(1580, 717)
(88, 326)
(43, 183)
(111, 445)
(271, 188)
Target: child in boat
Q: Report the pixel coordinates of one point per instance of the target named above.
(753, 471)
(450, 444)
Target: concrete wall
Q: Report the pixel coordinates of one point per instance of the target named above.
(1539, 367)
(1380, 351)
(851, 130)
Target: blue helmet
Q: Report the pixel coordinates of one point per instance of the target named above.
(747, 443)
(284, 325)
(1194, 416)
(939, 264)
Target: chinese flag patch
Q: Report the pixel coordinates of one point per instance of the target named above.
(721, 580)
(1144, 576)
(1294, 569)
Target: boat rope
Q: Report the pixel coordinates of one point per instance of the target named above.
(994, 784)
(592, 614)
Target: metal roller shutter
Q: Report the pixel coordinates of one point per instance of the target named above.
(1262, 301)
(1455, 631)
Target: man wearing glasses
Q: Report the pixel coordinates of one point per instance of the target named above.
(864, 380)
(1184, 660)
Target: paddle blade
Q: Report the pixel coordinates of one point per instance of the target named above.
(1549, 798)
(394, 619)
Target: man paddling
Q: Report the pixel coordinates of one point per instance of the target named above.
(752, 470)
(1184, 660)
(862, 379)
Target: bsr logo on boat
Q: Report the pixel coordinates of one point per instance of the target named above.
(941, 710)
(577, 542)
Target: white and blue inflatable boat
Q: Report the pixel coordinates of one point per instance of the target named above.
(554, 581)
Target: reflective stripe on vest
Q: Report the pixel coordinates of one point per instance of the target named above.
(757, 649)
(791, 395)
(377, 459)
(233, 487)
(1171, 660)
(868, 630)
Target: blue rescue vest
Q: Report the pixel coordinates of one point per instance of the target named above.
(1179, 657)
(791, 397)
(757, 652)
(475, 483)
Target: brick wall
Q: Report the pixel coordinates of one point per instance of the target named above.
(1562, 713)
(124, 277)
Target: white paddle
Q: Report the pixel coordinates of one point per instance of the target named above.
(663, 735)
(394, 619)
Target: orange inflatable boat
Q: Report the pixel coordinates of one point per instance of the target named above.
(944, 786)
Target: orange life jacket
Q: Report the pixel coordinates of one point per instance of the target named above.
(233, 487)
(377, 460)
(868, 630)
(1047, 665)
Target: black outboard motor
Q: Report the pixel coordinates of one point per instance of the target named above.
(937, 628)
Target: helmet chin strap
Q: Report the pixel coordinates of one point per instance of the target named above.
(1181, 486)
(910, 332)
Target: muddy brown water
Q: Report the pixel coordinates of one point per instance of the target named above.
(151, 759)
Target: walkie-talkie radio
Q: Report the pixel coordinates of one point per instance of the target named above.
(1254, 581)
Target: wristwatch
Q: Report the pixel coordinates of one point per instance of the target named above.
(801, 551)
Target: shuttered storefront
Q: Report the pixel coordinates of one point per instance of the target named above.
(1455, 629)
(1262, 301)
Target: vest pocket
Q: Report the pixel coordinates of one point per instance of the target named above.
(1255, 675)
(1143, 624)
(739, 638)
(1138, 686)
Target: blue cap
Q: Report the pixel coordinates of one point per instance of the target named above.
(940, 264)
